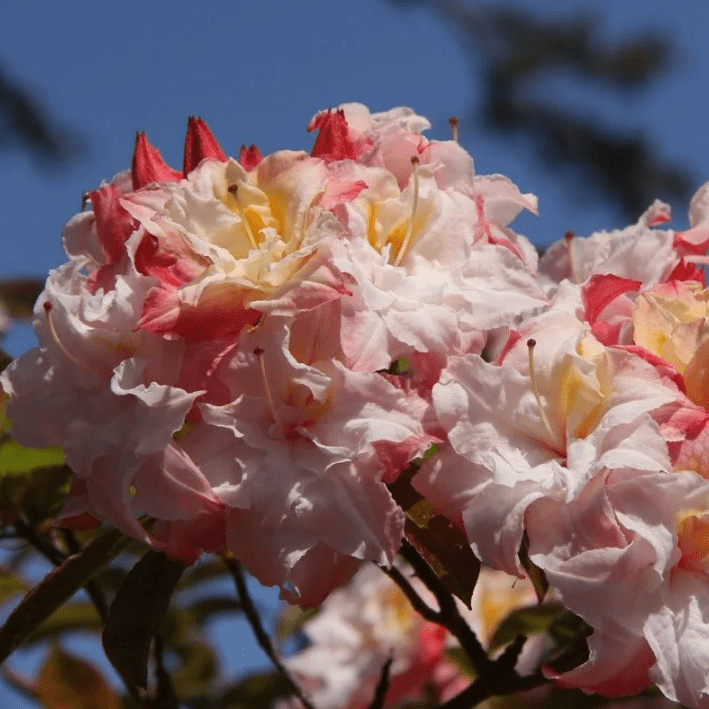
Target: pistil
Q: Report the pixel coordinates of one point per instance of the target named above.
(414, 208)
(269, 397)
(531, 344)
(234, 191)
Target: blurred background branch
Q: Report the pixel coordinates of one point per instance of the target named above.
(26, 124)
(515, 51)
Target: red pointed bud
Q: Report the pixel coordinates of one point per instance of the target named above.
(200, 143)
(334, 141)
(250, 157)
(148, 165)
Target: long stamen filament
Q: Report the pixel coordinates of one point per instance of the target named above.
(55, 336)
(569, 236)
(234, 190)
(414, 207)
(531, 344)
(453, 120)
(269, 397)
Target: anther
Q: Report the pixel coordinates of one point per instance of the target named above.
(414, 207)
(453, 120)
(569, 236)
(258, 352)
(48, 307)
(234, 191)
(531, 344)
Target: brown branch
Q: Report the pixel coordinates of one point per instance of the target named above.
(56, 556)
(252, 616)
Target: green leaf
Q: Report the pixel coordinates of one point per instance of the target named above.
(69, 681)
(259, 690)
(18, 295)
(136, 613)
(198, 670)
(10, 584)
(73, 616)
(531, 620)
(569, 633)
(33, 481)
(437, 539)
(16, 458)
(293, 619)
(36, 494)
(56, 588)
(535, 574)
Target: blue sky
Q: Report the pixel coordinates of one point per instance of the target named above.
(257, 72)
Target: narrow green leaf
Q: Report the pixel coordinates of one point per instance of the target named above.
(58, 587)
(16, 458)
(437, 539)
(531, 620)
(10, 584)
(72, 616)
(198, 670)
(136, 613)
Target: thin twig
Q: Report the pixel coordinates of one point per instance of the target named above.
(262, 637)
(57, 557)
(92, 588)
(449, 616)
(417, 603)
(482, 689)
(382, 685)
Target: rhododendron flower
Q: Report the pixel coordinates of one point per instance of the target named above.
(358, 629)
(213, 354)
(533, 425)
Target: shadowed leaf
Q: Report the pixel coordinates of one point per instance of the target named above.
(437, 539)
(136, 613)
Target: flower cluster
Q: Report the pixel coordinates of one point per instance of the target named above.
(251, 351)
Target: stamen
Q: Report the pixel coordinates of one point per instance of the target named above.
(531, 344)
(85, 197)
(234, 190)
(569, 236)
(414, 207)
(453, 120)
(48, 307)
(269, 397)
